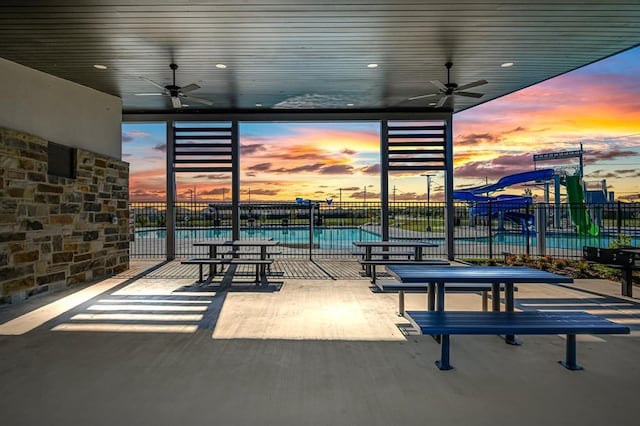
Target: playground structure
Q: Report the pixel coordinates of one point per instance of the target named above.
(517, 208)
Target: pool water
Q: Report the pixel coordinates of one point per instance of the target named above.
(327, 238)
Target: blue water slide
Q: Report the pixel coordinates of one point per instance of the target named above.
(500, 204)
(504, 182)
(526, 221)
(511, 206)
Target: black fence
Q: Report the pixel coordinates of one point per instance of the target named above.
(484, 230)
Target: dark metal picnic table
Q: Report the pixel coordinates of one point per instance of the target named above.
(438, 276)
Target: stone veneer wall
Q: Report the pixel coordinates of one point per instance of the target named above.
(57, 232)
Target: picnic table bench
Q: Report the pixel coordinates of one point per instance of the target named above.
(260, 264)
(625, 259)
(446, 323)
(372, 263)
(400, 253)
(393, 286)
(386, 249)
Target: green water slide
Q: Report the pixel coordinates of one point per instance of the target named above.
(579, 213)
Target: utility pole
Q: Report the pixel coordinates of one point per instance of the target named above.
(365, 194)
(340, 189)
(394, 194)
(223, 191)
(428, 201)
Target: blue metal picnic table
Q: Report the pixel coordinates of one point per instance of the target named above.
(438, 276)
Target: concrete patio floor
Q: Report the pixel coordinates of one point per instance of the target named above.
(152, 350)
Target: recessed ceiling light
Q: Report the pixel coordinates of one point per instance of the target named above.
(507, 65)
(100, 66)
(221, 66)
(372, 65)
(349, 104)
(258, 105)
(432, 104)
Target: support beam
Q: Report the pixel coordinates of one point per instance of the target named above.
(170, 221)
(384, 179)
(449, 212)
(235, 181)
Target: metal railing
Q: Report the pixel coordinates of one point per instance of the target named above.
(319, 229)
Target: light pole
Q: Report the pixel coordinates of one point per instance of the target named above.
(428, 201)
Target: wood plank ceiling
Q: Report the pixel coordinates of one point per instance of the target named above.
(308, 54)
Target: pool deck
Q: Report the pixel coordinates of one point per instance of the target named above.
(148, 347)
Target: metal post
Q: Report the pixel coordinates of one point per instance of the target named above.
(556, 200)
(428, 201)
(541, 229)
(384, 180)
(310, 230)
(235, 181)
(170, 212)
(449, 211)
(571, 362)
(619, 218)
(527, 232)
(546, 192)
(489, 230)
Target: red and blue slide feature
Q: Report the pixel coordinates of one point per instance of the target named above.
(511, 206)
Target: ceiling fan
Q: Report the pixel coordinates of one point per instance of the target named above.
(176, 92)
(448, 89)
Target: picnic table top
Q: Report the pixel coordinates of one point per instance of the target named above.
(225, 242)
(475, 274)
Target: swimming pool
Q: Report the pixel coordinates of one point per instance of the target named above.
(323, 237)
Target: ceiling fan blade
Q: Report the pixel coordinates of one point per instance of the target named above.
(153, 82)
(150, 94)
(442, 101)
(175, 101)
(469, 94)
(189, 88)
(472, 84)
(440, 85)
(424, 96)
(199, 100)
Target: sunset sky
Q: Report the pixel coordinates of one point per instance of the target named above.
(597, 105)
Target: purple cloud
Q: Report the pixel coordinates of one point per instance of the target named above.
(214, 176)
(337, 169)
(307, 168)
(373, 169)
(261, 167)
(250, 149)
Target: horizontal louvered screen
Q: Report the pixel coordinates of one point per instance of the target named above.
(206, 148)
(416, 146)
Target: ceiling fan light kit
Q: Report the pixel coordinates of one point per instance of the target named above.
(447, 90)
(175, 92)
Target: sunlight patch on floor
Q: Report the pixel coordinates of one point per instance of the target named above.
(151, 301)
(36, 318)
(125, 307)
(127, 328)
(137, 317)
